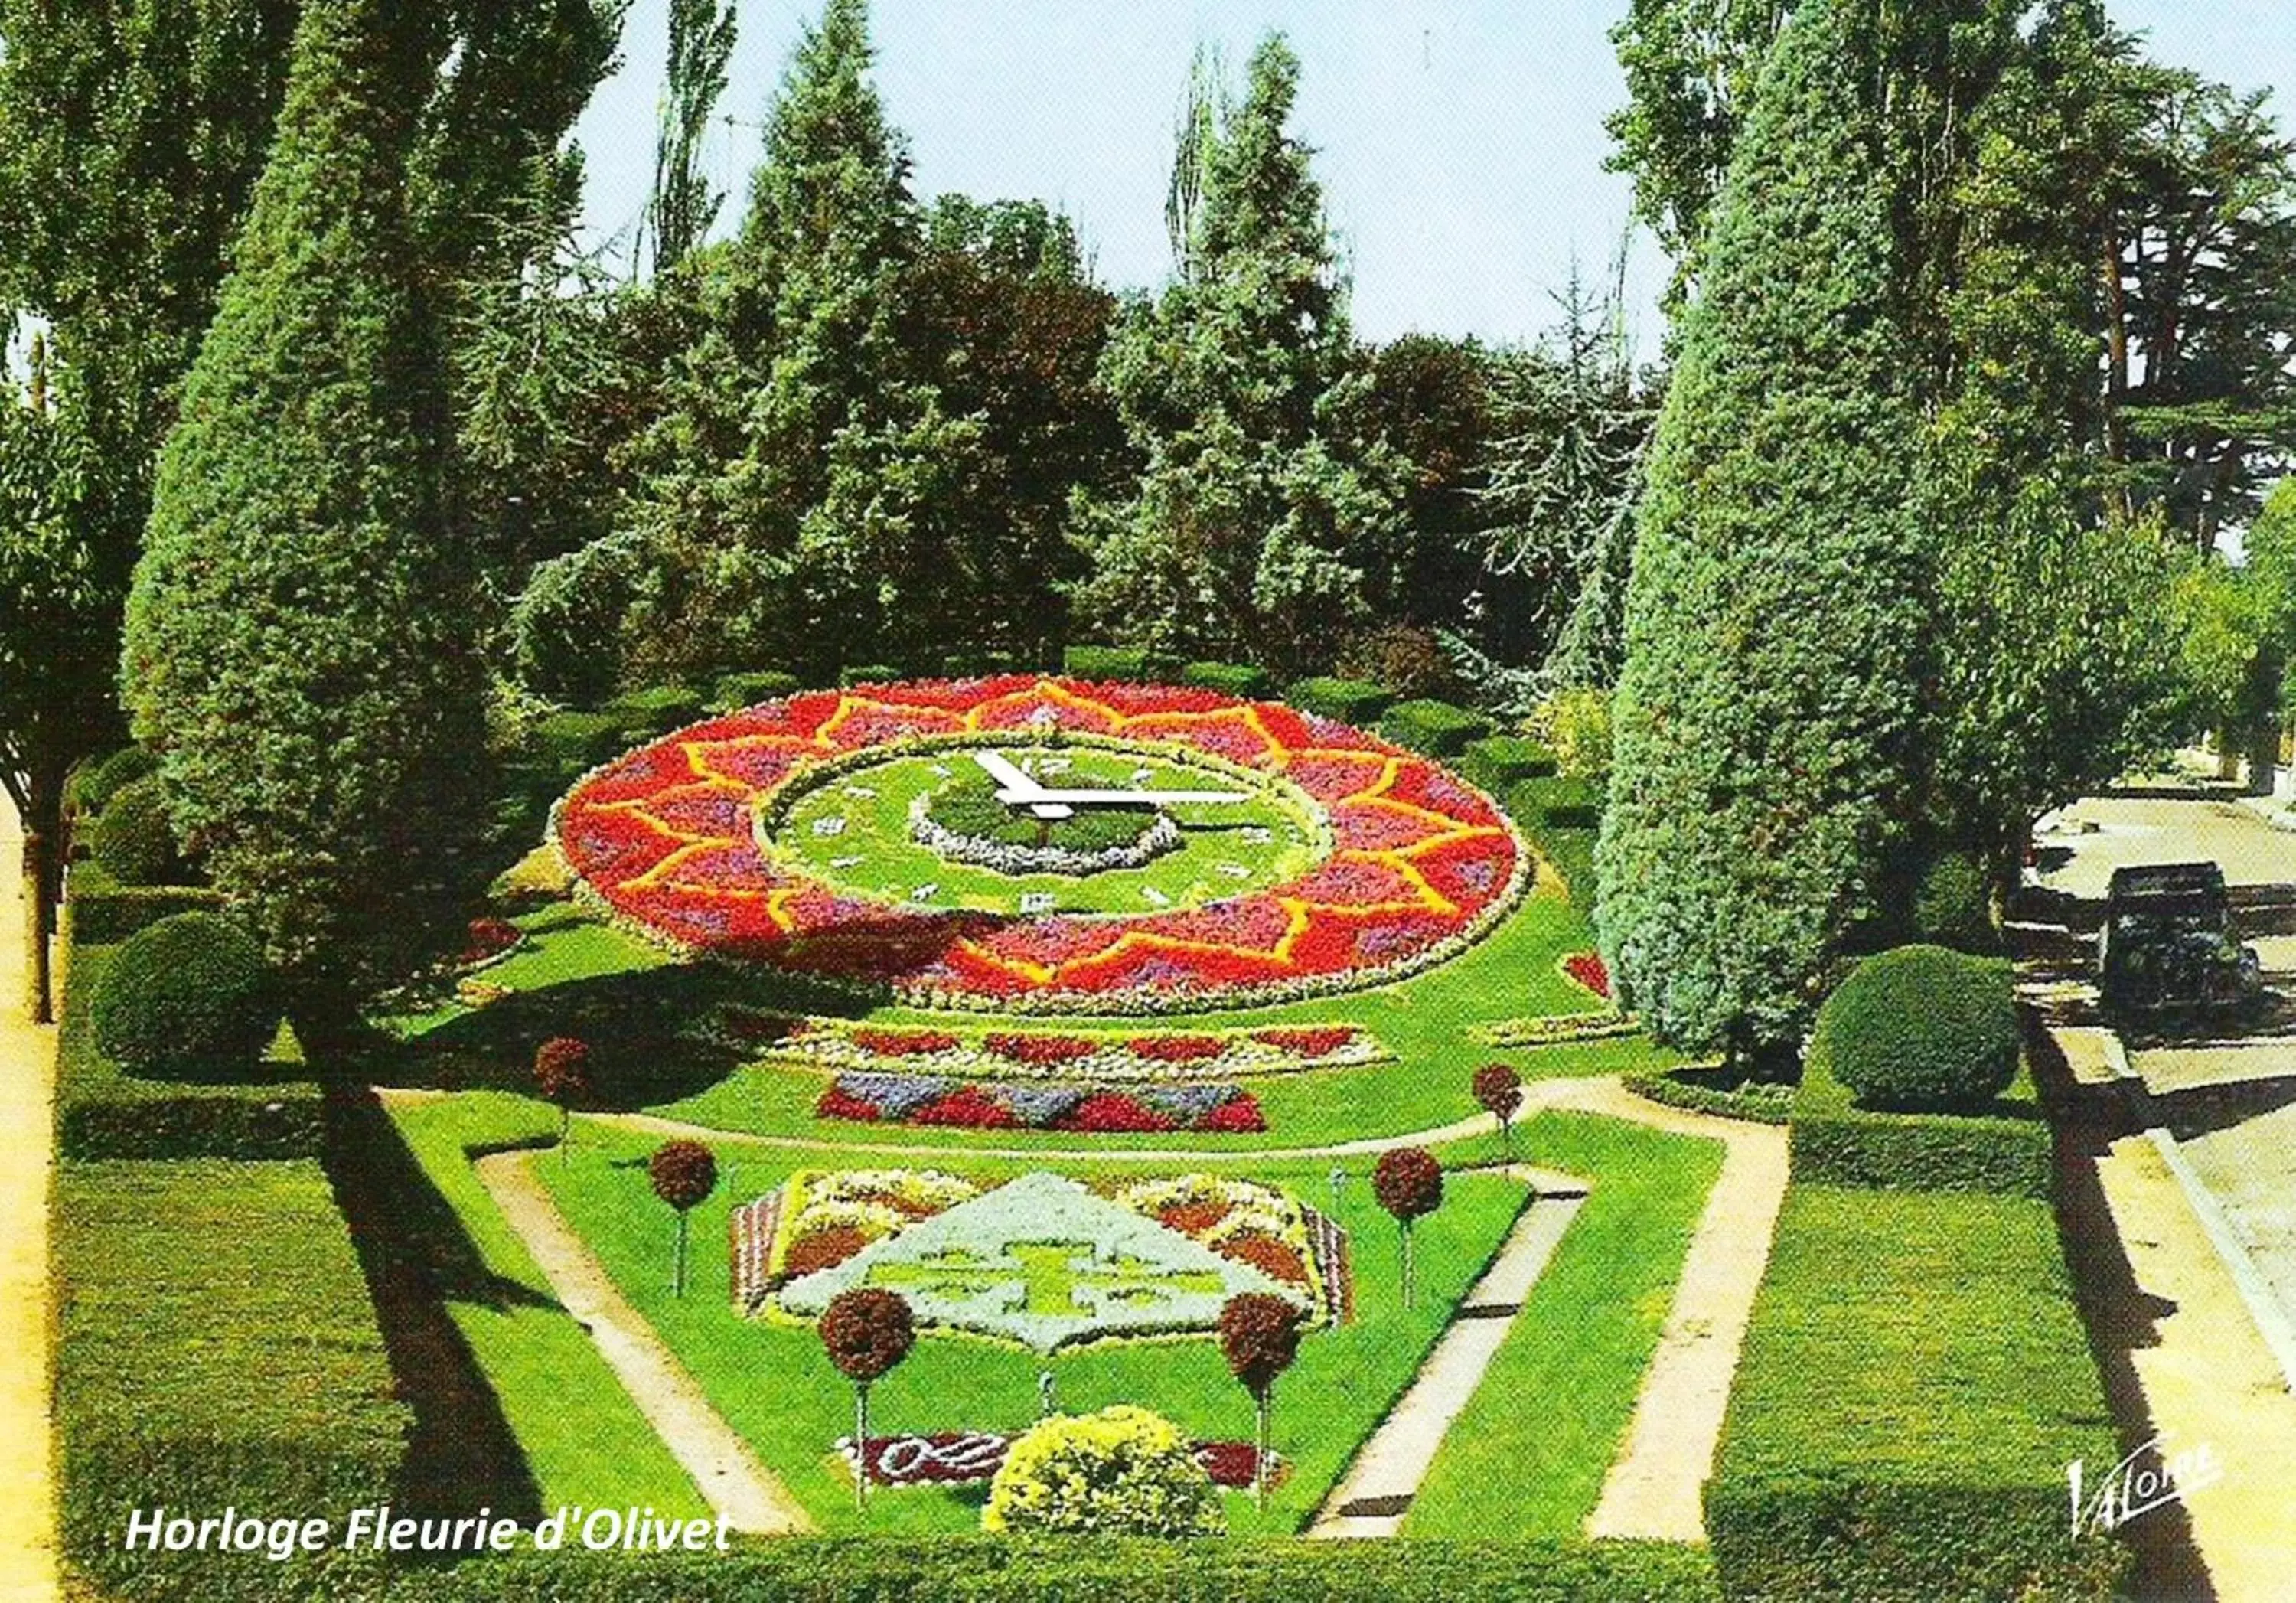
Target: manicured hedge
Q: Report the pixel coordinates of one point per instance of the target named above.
(1436, 728)
(1556, 803)
(190, 998)
(133, 838)
(568, 742)
(734, 690)
(1921, 1029)
(647, 714)
(1913, 1383)
(1349, 700)
(2008, 1150)
(215, 1347)
(1501, 761)
(101, 910)
(1112, 663)
(1229, 678)
(871, 673)
(102, 1113)
(982, 1570)
(1688, 1095)
(93, 787)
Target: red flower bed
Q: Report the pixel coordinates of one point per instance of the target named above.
(1112, 1112)
(903, 1043)
(968, 1108)
(1240, 1117)
(1176, 1048)
(1419, 861)
(1309, 1042)
(823, 1249)
(1039, 1049)
(1193, 1218)
(488, 938)
(1265, 1253)
(1589, 970)
(835, 1103)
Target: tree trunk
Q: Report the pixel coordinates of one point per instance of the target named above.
(677, 1280)
(1259, 1450)
(861, 1445)
(1408, 1290)
(39, 909)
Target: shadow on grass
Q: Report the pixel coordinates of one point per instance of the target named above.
(461, 1453)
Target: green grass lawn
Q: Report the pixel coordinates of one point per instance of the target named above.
(584, 1440)
(1528, 1456)
(773, 1382)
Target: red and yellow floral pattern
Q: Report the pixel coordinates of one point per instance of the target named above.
(1421, 862)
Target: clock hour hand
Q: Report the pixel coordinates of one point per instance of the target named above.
(1013, 786)
(1133, 798)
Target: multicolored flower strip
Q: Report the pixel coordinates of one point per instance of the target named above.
(964, 1458)
(1422, 864)
(1040, 1104)
(819, 1218)
(1105, 1058)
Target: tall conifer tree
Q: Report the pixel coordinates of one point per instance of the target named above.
(298, 638)
(1767, 708)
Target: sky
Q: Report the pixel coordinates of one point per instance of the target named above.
(1459, 143)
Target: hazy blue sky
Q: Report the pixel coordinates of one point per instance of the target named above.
(1460, 142)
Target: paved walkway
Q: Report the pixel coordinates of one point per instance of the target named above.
(28, 1562)
(1656, 1487)
(1376, 1493)
(730, 1476)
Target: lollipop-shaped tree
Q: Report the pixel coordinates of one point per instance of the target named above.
(1409, 1183)
(683, 1174)
(562, 1073)
(866, 1331)
(1499, 1088)
(1260, 1336)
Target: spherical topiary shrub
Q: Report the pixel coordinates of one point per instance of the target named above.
(188, 997)
(1920, 1029)
(1120, 1472)
(95, 788)
(134, 841)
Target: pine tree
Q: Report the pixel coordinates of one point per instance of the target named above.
(298, 643)
(684, 204)
(1767, 712)
(1254, 521)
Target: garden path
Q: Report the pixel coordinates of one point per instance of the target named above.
(1656, 1484)
(1376, 1493)
(28, 1562)
(730, 1476)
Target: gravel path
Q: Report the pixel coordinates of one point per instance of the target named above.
(735, 1483)
(27, 1559)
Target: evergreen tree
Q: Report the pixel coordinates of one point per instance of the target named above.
(1255, 521)
(1767, 712)
(684, 204)
(298, 643)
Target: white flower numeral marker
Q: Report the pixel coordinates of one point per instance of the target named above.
(860, 793)
(942, 769)
(847, 862)
(924, 893)
(1235, 870)
(1154, 897)
(1036, 901)
(828, 827)
(1258, 834)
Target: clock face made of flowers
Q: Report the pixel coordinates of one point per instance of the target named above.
(862, 834)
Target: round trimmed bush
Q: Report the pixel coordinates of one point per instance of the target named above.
(1920, 1029)
(188, 997)
(95, 788)
(134, 841)
(1120, 1472)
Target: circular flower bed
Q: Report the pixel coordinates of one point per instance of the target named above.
(676, 840)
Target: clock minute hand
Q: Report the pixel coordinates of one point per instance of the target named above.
(1012, 785)
(1136, 798)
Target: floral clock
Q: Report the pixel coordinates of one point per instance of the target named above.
(1219, 852)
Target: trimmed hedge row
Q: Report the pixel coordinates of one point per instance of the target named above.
(103, 911)
(102, 1113)
(1433, 728)
(215, 1348)
(1112, 663)
(1499, 762)
(1349, 700)
(1836, 1142)
(1914, 1380)
(734, 690)
(1671, 1092)
(869, 673)
(1229, 678)
(979, 1570)
(645, 714)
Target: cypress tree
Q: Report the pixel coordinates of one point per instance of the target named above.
(298, 643)
(1767, 708)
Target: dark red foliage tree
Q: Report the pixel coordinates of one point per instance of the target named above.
(1259, 1333)
(867, 1331)
(683, 1174)
(562, 1073)
(1499, 1088)
(1409, 1183)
